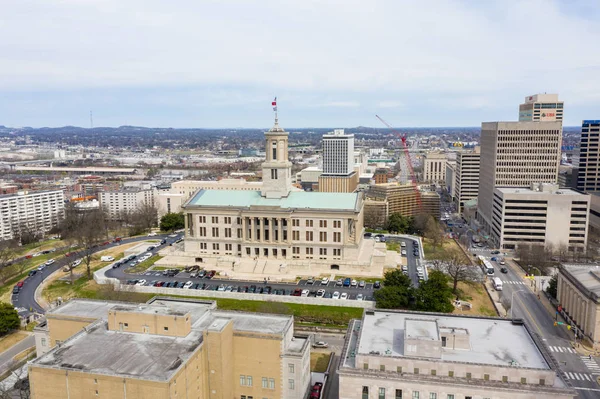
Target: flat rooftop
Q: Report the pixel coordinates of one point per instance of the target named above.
(493, 341)
(294, 200)
(528, 191)
(588, 276)
(249, 322)
(99, 350)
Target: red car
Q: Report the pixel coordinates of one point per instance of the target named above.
(29, 257)
(106, 243)
(20, 284)
(315, 393)
(297, 292)
(118, 239)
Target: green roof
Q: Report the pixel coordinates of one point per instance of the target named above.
(295, 200)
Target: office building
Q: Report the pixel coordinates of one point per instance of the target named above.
(578, 292)
(338, 163)
(276, 223)
(466, 177)
(120, 202)
(541, 108)
(395, 354)
(403, 199)
(588, 177)
(167, 348)
(31, 211)
(450, 177)
(542, 214)
(514, 154)
(434, 167)
(567, 176)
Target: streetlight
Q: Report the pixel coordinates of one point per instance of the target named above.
(511, 301)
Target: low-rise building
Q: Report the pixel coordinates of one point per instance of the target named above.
(34, 211)
(167, 348)
(541, 215)
(578, 292)
(393, 354)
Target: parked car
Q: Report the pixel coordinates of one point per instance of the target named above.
(377, 285)
(141, 282)
(153, 234)
(336, 295)
(297, 292)
(495, 252)
(347, 282)
(310, 280)
(320, 344)
(118, 239)
(304, 293)
(188, 284)
(353, 283)
(221, 287)
(320, 293)
(360, 297)
(325, 281)
(16, 289)
(31, 273)
(315, 393)
(49, 262)
(340, 281)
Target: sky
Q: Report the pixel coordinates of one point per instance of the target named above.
(331, 63)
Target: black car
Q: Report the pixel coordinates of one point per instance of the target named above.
(377, 284)
(503, 270)
(252, 289)
(496, 252)
(16, 290)
(31, 273)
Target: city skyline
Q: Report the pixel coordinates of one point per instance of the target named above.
(434, 64)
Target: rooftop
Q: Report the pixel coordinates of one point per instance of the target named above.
(495, 342)
(588, 276)
(529, 191)
(294, 200)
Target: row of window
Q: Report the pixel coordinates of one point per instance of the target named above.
(247, 381)
(398, 394)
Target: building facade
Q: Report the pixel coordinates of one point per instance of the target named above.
(117, 203)
(588, 176)
(338, 163)
(578, 293)
(413, 355)
(278, 222)
(543, 215)
(403, 199)
(514, 154)
(35, 211)
(541, 108)
(434, 167)
(466, 177)
(167, 349)
(450, 177)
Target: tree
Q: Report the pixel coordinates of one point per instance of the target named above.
(393, 297)
(453, 264)
(552, 288)
(433, 232)
(397, 223)
(434, 294)
(145, 217)
(396, 278)
(172, 221)
(9, 319)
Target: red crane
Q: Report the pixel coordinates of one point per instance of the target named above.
(408, 162)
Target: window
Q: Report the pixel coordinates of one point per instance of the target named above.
(398, 394)
(337, 252)
(309, 236)
(365, 366)
(486, 377)
(399, 369)
(381, 393)
(271, 383)
(432, 395)
(265, 382)
(215, 247)
(504, 378)
(243, 380)
(291, 384)
(323, 251)
(322, 236)
(337, 236)
(450, 373)
(215, 219)
(450, 396)
(416, 370)
(295, 235)
(468, 375)
(215, 231)
(523, 380)
(338, 224)
(274, 173)
(295, 222)
(433, 372)
(43, 341)
(228, 247)
(227, 220)
(322, 223)
(228, 232)
(382, 367)
(166, 328)
(249, 383)
(202, 231)
(443, 342)
(202, 219)
(415, 394)
(542, 381)
(291, 368)
(309, 223)
(365, 392)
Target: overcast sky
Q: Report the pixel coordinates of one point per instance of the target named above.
(199, 63)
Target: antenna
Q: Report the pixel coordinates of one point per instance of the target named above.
(91, 120)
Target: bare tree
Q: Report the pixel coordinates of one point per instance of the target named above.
(506, 302)
(453, 264)
(562, 251)
(434, 232)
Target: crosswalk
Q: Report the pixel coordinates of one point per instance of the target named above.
(561, 349)
(591, 364)
(579, 376)
(513, 282)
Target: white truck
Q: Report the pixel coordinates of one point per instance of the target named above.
(497, 284)
(107, 258)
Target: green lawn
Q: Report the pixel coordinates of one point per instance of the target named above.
(319, 362)
(393, 246)
(142, 267)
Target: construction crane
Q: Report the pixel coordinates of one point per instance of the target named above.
(408, 162)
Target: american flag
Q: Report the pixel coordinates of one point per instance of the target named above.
(274, 104)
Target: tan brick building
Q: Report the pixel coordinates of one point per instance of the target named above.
(578, 292)
(167, 349)
(411, 355)
(402, 199)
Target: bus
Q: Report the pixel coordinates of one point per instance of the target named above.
(497, 284)
(487, 268)
(475, 240)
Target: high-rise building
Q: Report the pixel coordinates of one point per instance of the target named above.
(434, 167)
(117, 203)
(466, 177)
(541, 108)
(338, 163)
(588, 177)
(514, 154)
(35, 212)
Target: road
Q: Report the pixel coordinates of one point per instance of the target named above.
(579, 370)
(26, 296)
(7, 356)
(411, 260)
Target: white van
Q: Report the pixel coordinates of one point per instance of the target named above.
(497, 284)
(107, 258)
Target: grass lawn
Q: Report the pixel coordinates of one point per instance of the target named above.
(11, 339)
(142, 267)
(25, 354)
(319, 362)
(393, 246)
(159, 268)
(479, 299)
(39, 246)
(438, 252)
(366, 279)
